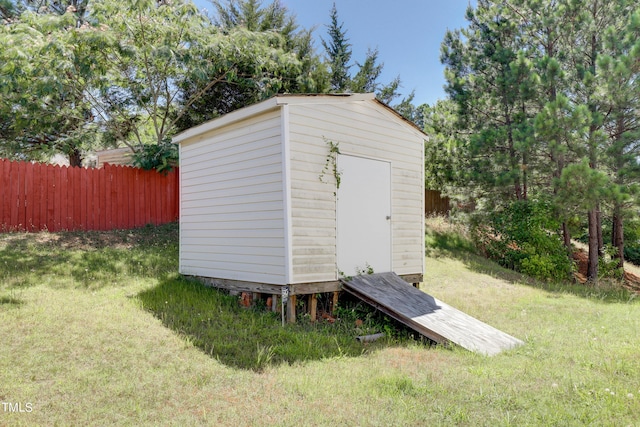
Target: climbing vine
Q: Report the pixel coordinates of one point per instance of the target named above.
(331, 163)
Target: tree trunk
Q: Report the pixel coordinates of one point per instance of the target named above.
(75, 158)
(599, 225)
(566, 237)
(592, 265)
(595, 229)
(617, 229)
(617, 234)
(514, 160)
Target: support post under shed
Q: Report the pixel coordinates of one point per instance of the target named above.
(313, 307)
(291, 309)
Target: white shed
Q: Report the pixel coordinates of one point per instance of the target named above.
(301, 189)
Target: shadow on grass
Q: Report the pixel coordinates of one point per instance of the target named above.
(10, 301)
(453, 245)
(247, 338)
(91, 260)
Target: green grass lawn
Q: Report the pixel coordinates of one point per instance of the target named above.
(98, 329)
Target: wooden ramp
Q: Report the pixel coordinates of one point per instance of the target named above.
(427, 315)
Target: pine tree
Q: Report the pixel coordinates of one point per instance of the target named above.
(558, 122)
(338, 50)
(366, 79)
(587, 45)
(491, 83)
(620, 96)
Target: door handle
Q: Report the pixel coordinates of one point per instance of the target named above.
(388, 217)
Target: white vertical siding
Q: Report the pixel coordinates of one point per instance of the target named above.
(232, 207)
(360, 128)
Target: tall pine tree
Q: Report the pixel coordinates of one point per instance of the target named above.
(491, 83)
(338, 50)
(620, 98)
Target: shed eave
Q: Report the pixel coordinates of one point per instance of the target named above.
(290, 99)
(403, 119)
(218, 122)
(323, 98)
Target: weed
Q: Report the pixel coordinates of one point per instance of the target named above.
(331, 163)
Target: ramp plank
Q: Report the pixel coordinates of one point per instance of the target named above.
(428, 315)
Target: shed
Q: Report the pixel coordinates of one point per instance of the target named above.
(300, 190)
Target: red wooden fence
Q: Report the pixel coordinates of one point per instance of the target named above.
(35, 196)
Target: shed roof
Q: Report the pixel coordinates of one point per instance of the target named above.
(287, 99)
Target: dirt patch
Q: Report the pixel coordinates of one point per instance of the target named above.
(581, 257)
(632, 282)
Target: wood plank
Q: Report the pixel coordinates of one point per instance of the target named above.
(121, 200)
(28, 199)
(34, 197)
(57, 198)
(82, 202)
(138, 198)
(64, 198)
(14, 197)
(428, 315)
(153, 207)
(291, 309)
(314, 287)
(3, 197)
(131, 181)
(52, 189)
(313, 307)
(77, 198)
(412, 278)
(22, 218)
(240, 286)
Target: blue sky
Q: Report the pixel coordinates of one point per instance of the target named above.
(407, 34)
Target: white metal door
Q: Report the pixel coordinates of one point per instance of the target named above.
(364, 215)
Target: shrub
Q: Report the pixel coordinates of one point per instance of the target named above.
(161, 157)
(524, 236)
(609, 265)
(632, 254)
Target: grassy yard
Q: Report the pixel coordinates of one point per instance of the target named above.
(98, 329)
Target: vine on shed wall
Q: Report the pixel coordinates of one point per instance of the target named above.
(331, 163)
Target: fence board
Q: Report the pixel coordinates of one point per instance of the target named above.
(108, 199)
(20, 196)
(75, 188)
(15, 182)
(50, 191)
(159, 197)
(37, 197)
(154, 200)
(6, 190)
(2, 192)
(144, 201)
(152, 203)
(92, 195)
(130, 199)
(42, 205)
(57, 202)
(100, 199)
(64, 194)
(113, 197)
(434, 203)
(36, 194)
